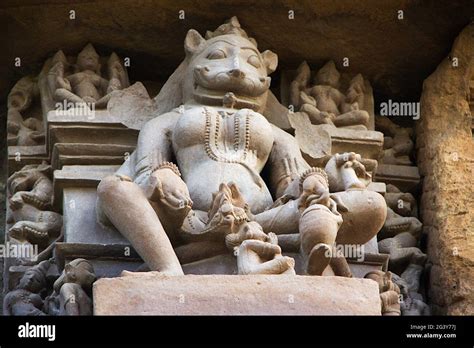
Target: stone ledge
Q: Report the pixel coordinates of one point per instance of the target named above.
(151, 293)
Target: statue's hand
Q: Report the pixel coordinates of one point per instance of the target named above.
(264, 249)
(347, 158)
(114, 85)
(352, 160)
(165, 186)
(248, 231)
(61, 82)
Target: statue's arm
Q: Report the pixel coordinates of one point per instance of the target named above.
(154, 145)
(285, 163)
(74, 79)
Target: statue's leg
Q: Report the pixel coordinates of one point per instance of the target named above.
(340, 266)
(62, 94)
(283, 219)
(351, 118)
(317, 232)
(102, 102)
(365, 216)
(127, 208)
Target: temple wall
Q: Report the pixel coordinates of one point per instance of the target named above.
(446, 162)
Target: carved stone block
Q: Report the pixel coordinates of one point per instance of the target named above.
(406, 178)
(318, 142)
(154, 294)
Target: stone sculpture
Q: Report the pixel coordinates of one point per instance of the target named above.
(83, 82)
(31, 192)
(72, 290)
(399, 238)
(414, 307)
(217, 135)
(26, 298)
(396, 224)
(403, 251)
(402, 203)
(398, 143)
(323, 101)
(23, 131)
(412, 302)
(389, 292)
(263, 257)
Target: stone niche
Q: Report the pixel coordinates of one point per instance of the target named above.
(211, 191)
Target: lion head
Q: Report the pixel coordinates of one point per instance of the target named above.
(224, 68)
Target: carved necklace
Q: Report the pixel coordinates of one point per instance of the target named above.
(219, 150)
(216, 144)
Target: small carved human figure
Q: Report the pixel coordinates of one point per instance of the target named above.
(262, 256)
(412, 302)
(319, 221)
(73, 289)
(389, 292)
(32, 185)
(402, 203)
(316, 116)
(26, 298)
(412, 274)
(396, 224)
(398, 143)
(402, 250)
(86, 85)
(412, 306)
(324, 102)
(31, 194)
(300, 84)
(21, 131)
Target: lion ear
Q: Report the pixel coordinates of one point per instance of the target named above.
(193, 42)
(271, 61)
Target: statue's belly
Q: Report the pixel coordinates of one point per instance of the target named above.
(87, 89)
(213, 147)
(204, 179)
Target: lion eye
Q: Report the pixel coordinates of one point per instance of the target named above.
(253, 60)
(217, 54)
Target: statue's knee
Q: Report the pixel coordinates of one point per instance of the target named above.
(112, 186)
(318, 225)
(364, 117)
(61, 94)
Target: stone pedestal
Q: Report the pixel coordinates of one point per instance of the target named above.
(99, 138)
(76, 195)
(154, 294)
